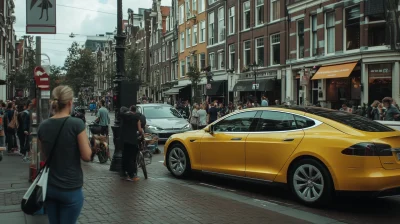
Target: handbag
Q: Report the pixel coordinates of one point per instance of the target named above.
(13, 123)
(35, 196)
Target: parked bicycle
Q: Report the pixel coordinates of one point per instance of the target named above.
(145, 155)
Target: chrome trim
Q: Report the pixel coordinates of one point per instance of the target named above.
(395, 150)
(235, 176)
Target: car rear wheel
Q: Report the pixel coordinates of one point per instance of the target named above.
(311, 182)
(178, 161)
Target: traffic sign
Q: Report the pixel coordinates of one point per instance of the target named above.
(208, 86)
(42, 79)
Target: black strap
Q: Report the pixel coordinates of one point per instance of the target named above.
(55, 144)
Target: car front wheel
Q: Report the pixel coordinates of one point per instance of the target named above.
(311, 182)
(178, 161)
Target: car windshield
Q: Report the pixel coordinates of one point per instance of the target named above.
(153, 112)
(355, 121)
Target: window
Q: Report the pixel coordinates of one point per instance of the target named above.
(188, 63)
(194, 38)
(211, 60)
(195, 62)
(232, 56)
(211, 28)
(303, 122)
(201, 6)
(221, 24)
(159, 55)
(259, 12)
(260, 51)
(246, 53)
(188, 39)
(155, 112)
(330, 32)
(242, 122)
(314, 36)
(181, 14)
(231, 22)
(352, 28)
(300, 39)
(276, 121)
(173, 50)
(163, 53)
(246, 15)
(276, 49)
(183, 68)
(202, 60)
(210, 2)
(275, 10)
(202, 31)
(167, 51)
(220, 60)
(182, 41)
(187, 7)
(167, 24)
(194, 5)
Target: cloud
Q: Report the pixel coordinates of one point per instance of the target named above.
(81, 17)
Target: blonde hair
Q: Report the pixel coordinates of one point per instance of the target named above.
(61, 96)
(375, 103)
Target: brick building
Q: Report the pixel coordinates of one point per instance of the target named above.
(342, 52)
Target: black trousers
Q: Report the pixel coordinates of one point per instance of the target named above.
(23, 143)
(104, 130)
(11, 139)
(129, 155)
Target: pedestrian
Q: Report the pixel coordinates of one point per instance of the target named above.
(212, 113)
(131, 129)
(64, 197)
(392, 113)
(23, 131)
(202, 113)
(103, 119)
(375, 113)
(10, 127)
(346, 109)
(264, 101)
(194, 118)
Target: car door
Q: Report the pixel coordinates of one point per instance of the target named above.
(223, 148)
(268, 148)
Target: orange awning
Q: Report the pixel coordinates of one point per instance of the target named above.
(335, 71)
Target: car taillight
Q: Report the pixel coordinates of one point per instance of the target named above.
(369, 149)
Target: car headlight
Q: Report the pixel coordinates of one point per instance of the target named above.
(188, 126)
(154, 128)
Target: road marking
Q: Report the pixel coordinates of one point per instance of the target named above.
(221, 188)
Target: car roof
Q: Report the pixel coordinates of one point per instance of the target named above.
(154, 105)
(295, 109)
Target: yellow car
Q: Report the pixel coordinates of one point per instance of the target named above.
(316, 151)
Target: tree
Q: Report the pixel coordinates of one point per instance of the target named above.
(56, 76)
(195, 77)
(133, 64)
(80, 67)
(24, 76)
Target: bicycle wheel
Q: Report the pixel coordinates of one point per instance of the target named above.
(143, 165)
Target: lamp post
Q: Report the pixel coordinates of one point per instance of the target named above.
(116, 162)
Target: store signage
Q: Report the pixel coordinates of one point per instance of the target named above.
(208, 86)
(256, 86)
(380, 71)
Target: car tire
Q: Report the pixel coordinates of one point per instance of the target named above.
(178, 161)
(311, 188)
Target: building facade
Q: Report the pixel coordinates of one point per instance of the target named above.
(343, 52)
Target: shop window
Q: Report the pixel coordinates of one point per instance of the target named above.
(380, 81)
(352, 28)
(300, 39)
(276, 49)
(246, 15)
(260, 51)
(246, 53)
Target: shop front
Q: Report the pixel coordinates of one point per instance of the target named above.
(263, 87)
(217, 90)
(379, 81)
(341, 84)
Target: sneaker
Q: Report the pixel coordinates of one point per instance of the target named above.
(133, 179)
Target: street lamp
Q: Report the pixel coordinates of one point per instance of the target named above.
(254, 69)
(116, 162)
(230, 72)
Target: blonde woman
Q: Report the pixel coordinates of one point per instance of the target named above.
(375, 112)
(194, 118)
(202, 115)
(64, 199)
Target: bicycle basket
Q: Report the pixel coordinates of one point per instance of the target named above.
(95, 129)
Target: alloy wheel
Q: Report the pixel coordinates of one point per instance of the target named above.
(308, 183)
(177, 161)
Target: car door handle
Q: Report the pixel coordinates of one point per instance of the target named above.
(288, 139)
(236, 139)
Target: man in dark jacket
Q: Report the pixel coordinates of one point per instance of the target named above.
(130, 127)
(24, 130)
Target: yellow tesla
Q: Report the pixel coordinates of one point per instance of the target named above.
(316, 151)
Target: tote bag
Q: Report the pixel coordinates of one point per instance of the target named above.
(35, 196)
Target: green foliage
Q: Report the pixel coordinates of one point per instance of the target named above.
(195, 77)
(56, 76)
(133, 64)
(24, 76)
(80, 67)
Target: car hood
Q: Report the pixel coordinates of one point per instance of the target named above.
(167, 123)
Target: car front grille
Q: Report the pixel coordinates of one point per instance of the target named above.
(164, 135)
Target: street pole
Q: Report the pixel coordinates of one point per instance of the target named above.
(255, 82)
(116, 162)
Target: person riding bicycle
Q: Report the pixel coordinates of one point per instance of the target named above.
(130, 127)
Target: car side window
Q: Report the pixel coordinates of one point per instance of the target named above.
(303, 122)
(242, 122)
(276, 121)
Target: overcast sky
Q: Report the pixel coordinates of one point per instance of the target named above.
(79, 21)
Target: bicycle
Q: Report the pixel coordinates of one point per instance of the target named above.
(144, 156)
(99, 143)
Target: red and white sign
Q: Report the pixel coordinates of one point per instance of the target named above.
(42, 78)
